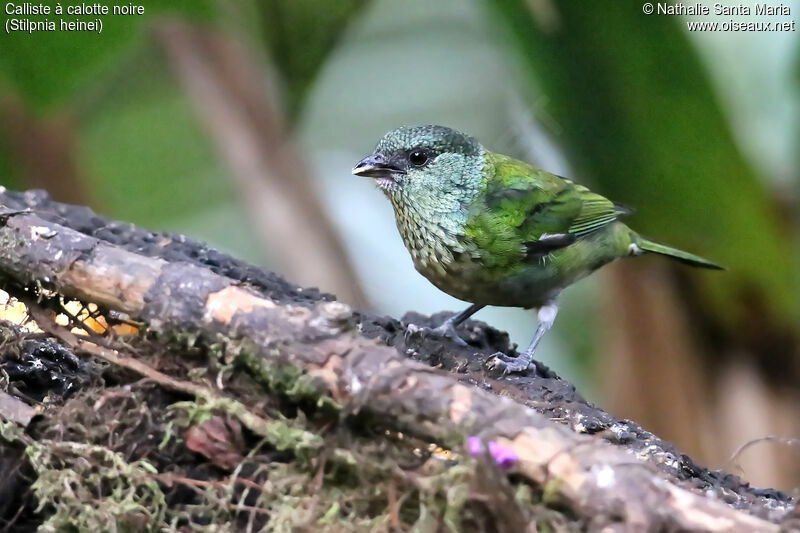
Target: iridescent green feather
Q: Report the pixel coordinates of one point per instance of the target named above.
(522, 203)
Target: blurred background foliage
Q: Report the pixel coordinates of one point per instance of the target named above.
(238, 123)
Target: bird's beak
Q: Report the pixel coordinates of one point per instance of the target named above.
(376, 166)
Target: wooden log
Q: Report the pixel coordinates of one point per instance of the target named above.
(609, 486)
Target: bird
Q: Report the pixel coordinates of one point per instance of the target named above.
(492, 230)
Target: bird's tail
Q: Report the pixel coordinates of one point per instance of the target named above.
(674, 253)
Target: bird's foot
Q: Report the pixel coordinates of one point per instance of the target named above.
(503, 364)
(446, 330)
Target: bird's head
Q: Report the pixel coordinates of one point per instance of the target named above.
(424, 162)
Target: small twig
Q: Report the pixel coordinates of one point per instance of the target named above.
(316, 483)
(112, 394)
(5, 215)
(169, 478)
(121, 318)
(77, 322)
(394, 507)
(143, 369)
(36, 313)
(197, 485)
(16, 410)
(250, 508)
(789, 441)
(13, 519)
(250, 420)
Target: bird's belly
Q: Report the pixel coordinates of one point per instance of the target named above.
(469, 277)
(473, 282)
(526, 283)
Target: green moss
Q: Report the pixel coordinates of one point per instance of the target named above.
(282, 434)
(73, 476)
(11, 432)
(551, 491)
(286, 379)
(113, 458)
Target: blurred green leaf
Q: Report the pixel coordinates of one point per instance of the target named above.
(148, 160)
(47, 67)
(299, 35)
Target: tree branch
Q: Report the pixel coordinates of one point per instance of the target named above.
(605, 484)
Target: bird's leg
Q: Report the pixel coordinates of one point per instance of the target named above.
(448, 328)
(546, 315)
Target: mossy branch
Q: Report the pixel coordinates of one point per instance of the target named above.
(313, 351)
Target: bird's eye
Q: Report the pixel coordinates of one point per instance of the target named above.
(418, 158)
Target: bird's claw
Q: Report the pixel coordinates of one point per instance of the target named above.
(503, 364)
(446, 331)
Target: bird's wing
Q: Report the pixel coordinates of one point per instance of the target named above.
(541, 212)
(596, 211)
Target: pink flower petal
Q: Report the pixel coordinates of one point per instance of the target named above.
(505, 456)
(474, 445)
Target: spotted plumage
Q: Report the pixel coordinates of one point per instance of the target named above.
(491, 230)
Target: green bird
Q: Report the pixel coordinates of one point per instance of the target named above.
(492, 230)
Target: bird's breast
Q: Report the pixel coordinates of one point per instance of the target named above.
(440, 251)
(430, 242)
